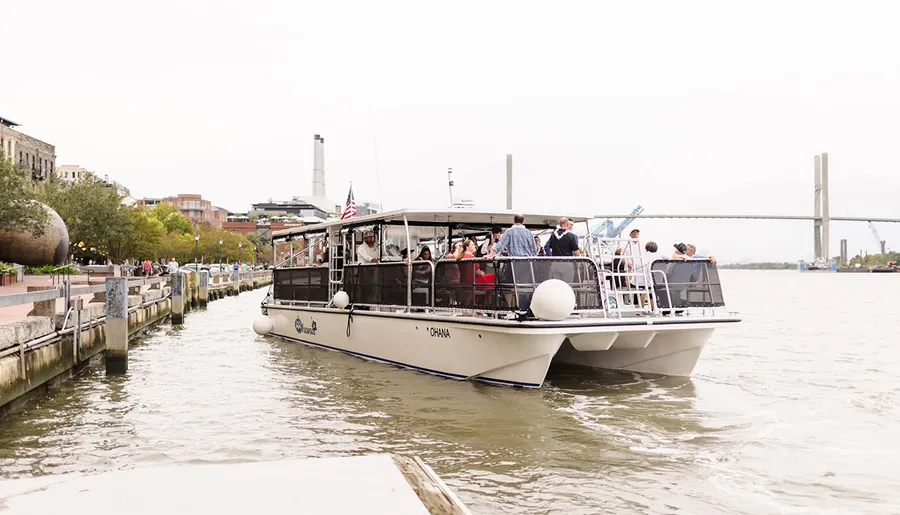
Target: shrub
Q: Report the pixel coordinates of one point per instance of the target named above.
(7, 269)
(51, 269)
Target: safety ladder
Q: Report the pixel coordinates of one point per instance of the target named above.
(335, 261)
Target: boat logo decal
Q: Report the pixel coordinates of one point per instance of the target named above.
(302, 329)
(439, 332)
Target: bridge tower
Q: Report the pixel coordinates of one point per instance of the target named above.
(821, 214)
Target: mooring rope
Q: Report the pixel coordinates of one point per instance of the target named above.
(349, 320)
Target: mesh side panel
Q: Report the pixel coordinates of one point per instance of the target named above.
(690, 284)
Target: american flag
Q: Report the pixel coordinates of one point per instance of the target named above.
(350, 207)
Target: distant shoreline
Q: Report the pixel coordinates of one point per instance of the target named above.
(759, 266)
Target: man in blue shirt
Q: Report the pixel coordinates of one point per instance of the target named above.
(517, 241)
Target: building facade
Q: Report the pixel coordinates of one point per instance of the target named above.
(318, 207)
(193, 207)
(71, 173)
(261, 228)
(30, 154)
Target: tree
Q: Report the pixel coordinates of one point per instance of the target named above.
(18, 212)
(93, 213)
(171, 218)
(141, 237)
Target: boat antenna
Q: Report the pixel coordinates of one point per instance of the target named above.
(450, 184)
(377, 169)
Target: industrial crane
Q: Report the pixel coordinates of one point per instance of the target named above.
(881, 243)
(608, 229)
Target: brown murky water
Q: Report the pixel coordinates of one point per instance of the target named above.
(795, 410)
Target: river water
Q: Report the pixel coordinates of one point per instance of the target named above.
(796, 410)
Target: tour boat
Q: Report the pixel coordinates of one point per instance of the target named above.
(500, 320)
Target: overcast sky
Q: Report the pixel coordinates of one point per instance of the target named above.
(679, 107)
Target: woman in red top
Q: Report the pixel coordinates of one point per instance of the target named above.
(472, 278)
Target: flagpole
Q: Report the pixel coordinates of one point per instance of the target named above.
(450, 184)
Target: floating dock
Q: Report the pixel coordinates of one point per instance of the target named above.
(377, 483)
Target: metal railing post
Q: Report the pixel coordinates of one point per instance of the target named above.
(408, 267)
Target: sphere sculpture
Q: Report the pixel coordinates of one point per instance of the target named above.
(341, 300)
(50, 248)
(553, 300)
(262, 325)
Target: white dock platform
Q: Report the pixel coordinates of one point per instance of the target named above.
(362, 484)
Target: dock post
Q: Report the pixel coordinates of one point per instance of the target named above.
(195, 289)
(237, 282)
(204, 288)
(116, 325)
(177, 298)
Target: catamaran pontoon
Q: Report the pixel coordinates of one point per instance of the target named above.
(500, 320)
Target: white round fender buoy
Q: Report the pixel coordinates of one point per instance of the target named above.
(341, 300)
(262, 325)
(553, 300)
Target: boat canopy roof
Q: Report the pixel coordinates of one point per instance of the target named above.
(445, 217)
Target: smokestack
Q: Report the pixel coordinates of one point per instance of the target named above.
(318, 166)
(509, 181)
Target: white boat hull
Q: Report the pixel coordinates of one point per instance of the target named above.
(647, 351)
(443, 347)
(509, 353)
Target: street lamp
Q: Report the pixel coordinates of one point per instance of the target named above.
(240, 246)
(197, 249)
(220, 251)
(254, 255)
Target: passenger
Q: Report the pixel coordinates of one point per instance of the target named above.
(539, 248)
(633, 248)
(680, 252)
(474, 239)
(467, 271)
(425, 255)
(488, 245)
(367, 252)
(422, 273)
(392, 253)
(691, 252)
(517, 241)
(698, 268)
(620, 269)
(450, 271)
(563, 242)
(643, 272)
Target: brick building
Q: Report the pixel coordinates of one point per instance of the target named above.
(192, 207)
(30, 154)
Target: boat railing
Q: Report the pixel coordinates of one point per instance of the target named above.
(500, 285)
(505, 284)
(307, 285)
(392, 284)
(626, 275)
(487, 286)
(686, 284)
(289, 261)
